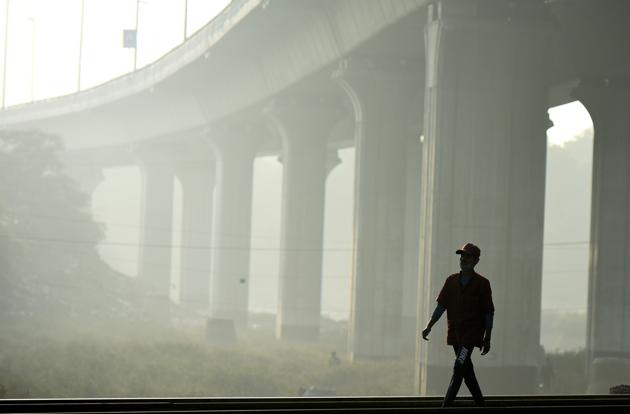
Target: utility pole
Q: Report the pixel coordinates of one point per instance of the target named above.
(135, 49)
(185, 20)
(80, 45)
(32, 20)
(4, 61)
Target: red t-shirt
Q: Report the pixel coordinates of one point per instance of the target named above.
(466, 308)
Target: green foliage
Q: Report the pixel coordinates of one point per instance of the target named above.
(139, 360)
(49, 264)
(134, 359)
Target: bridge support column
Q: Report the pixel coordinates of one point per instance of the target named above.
(608, 324)
(235, 150)
(304, 128)
(154, 261)
(197, 179)
(484, 178)
(381, 93)
(413, 168)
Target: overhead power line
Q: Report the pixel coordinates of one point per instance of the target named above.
(164, 246)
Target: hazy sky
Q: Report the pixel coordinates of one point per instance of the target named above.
(570, 120)
(43, 61)
(47, 33)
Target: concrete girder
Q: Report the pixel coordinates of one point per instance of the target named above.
(595, 35)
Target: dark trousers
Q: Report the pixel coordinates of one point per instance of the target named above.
(463, 370)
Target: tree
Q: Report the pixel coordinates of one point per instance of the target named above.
(48, 257)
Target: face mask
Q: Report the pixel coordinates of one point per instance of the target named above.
(466, 266)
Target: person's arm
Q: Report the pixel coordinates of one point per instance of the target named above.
(442, 301)
(437, 314)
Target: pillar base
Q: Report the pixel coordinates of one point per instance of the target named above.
(509, 380)
(221, 332)
(607, 372)
(299, 333)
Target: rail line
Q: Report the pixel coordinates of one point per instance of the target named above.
(316, 405)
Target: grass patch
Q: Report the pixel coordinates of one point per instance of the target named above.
(78, 360)
(107, 359)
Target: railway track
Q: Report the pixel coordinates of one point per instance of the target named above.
(316, 405)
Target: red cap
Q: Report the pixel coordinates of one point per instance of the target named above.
(470, 249)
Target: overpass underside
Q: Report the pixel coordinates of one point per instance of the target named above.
(445, 103)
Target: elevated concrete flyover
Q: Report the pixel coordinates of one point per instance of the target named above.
(445, 104)
(248, 54)
(226, 85)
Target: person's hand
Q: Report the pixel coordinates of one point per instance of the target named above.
(486, 346)
(425, 333)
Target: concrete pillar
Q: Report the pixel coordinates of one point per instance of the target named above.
(483, 179)
(608, 323)
(381, 93)
(413, 172)
(156, 218)
(304, 127)
(234, 147)
(197, 180)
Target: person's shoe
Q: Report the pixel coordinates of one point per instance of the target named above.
(480, 403)
(448, 402)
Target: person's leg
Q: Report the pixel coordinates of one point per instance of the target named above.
(470, 379)
(461, 355)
